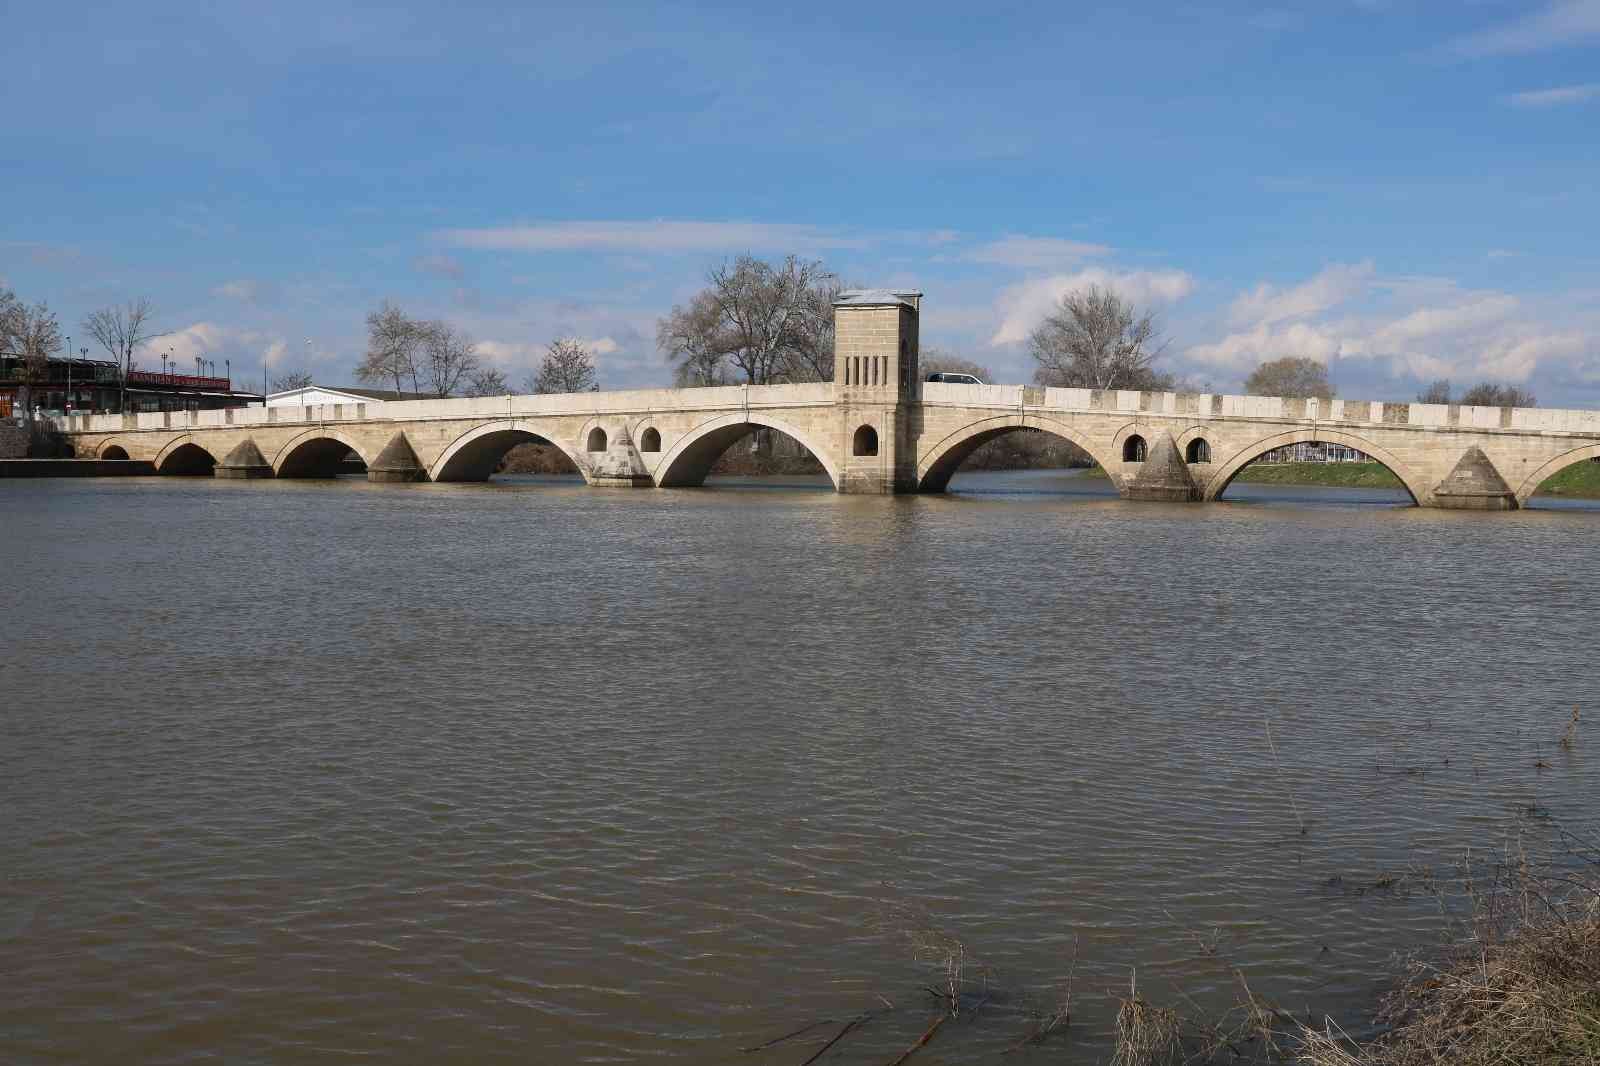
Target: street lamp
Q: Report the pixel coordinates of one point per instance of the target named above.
(69, 374)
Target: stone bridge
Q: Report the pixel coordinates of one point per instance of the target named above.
(876, 428)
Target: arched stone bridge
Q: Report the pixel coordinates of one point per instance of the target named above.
(875, 429)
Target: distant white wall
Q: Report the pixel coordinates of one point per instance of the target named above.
(313, 394)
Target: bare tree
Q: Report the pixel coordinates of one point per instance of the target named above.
(120, 331)
(488, 381)
(693, 340)
(393, 341)
(809, 354)
(32, 335)
(1095, 339)
(451, 357)
(567, 367)
(771, 323)
(1291, 376)
(1492, 394)
(1438, 392)
(292, 379)
(939, 361)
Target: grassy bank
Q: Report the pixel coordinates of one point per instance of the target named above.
(1337, 475)
(1580, 479)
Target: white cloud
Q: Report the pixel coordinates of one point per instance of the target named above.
(1242, 351)
(1433, 323)
(651, 236)
(1035, 253)
(1267, 304)
(1566, 94)
(1426, 329)
(1023, 306)
(1563, 23)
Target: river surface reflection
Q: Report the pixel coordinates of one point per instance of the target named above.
(528, 772)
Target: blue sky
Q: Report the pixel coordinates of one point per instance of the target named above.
(1403, 190)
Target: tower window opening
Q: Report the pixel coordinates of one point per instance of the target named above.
(865, 441)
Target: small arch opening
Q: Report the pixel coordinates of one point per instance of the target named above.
(115, 451)
(189, 460)
(1134, 449)
(321, 457)
(865, 441)
(1198, 451)
(596, 441)
(650, 440)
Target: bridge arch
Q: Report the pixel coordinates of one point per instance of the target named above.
(1530, 485)
(1226, 472)
(182, 455)
(474, 455)
(690, 458)
(315, 453)
(935, 469)
(113, 451)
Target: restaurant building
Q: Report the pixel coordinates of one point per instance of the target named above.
(96, 386)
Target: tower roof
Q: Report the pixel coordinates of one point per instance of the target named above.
(878, 298)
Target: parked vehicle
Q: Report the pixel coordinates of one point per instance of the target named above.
(954, 379)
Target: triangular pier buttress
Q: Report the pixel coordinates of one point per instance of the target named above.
(397, 462)
(245, 460)
(1163, 476)
(1475, 485)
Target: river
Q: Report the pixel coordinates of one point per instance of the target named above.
(526, 772)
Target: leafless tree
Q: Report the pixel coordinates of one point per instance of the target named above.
(809, 354)
(451, 357)
(292, 379)
(488, 381)
(1438, 392)
(1095, 339)
(120, 331)
(693, 340)
(1291, 376)
(393, 342)
(939, 361)
(1492, 394)
(770, 323)
(32, 335)
(567, 367)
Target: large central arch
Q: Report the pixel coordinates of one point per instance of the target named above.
(938, 466)
(474, 455)
(1245, 456)
(690, 458)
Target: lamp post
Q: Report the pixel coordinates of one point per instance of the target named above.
(69, 374)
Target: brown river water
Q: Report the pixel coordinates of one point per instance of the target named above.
(528, 772)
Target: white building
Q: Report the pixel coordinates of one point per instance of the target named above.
(320, 394)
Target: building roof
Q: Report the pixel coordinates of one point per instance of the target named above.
(354, 393)
(878, 298)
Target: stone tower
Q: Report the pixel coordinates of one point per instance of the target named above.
(874, 383)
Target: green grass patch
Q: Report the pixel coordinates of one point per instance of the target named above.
(1579, 479)
(1339, 475)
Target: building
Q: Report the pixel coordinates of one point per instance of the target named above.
(96, 386)
(320, 394)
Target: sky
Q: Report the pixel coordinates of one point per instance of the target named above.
(1402, 190)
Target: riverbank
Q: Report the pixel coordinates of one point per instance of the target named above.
(1578, 481)
(75, 468)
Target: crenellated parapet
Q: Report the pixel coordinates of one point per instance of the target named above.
(876, 428)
